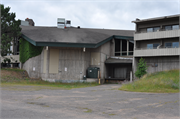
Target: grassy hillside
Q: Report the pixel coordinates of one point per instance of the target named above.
(160, 82)
(14, 77)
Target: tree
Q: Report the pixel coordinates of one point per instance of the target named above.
(142, 67)
(10, 30)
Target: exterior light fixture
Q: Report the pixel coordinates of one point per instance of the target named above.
(46, 47)
(84, 49)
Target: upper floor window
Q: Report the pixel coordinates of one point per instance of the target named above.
(172, 45)
(154, 29)
(175, 27)
(171, 27)
(168, 28)
(152, 46)
(149, 29)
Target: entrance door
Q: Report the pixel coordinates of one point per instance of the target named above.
(120, 72)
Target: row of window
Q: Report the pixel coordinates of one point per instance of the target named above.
(166, 45)
(154, 29)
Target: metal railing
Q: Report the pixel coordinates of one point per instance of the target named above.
(124, 53)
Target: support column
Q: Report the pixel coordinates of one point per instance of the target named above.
(112, 48)
(121, 47)
(47, 63)
(134, 45)
(127, 47)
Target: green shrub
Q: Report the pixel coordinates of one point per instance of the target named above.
(142, 67)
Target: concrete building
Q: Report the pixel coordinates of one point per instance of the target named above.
(157, 41)
(69, 51)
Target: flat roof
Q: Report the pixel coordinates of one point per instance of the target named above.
(156, 18)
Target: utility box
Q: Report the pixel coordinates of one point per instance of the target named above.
(92, 72)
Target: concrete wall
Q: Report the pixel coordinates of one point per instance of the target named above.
(33, 66)
(72, 63)
(156, 64)
(105, 51)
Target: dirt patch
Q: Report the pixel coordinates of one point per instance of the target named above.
(16, 74)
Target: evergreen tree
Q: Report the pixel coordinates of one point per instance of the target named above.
(10, 30)
(142, 67)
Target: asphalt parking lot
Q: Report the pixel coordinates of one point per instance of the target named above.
(99, 102)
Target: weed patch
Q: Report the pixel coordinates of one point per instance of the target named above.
(160, 82)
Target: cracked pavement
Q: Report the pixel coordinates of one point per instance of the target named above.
(99, 102)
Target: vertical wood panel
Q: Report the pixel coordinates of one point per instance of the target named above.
(54, 60)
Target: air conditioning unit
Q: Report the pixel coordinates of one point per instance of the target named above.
(61, 23)
(68, 23)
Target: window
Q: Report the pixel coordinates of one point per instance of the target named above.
(156, 29)
(168, 28)
(149, 46)
(152, 46)
(117, 45)
(168, 45)
(131, 46)
(175, 44)
(174, 27)
(155, 45)
(149, 29)
(122, 49)
(172, 45)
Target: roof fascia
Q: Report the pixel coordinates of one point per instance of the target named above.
(29, 40)
(81, 45)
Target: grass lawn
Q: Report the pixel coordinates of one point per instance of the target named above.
(12, 77)
(160, 82)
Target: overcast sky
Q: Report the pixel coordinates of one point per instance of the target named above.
(108, 14)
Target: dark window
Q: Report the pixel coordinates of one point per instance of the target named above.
(149, 29)
(172, 45)
(130, 53)
(117, 45)
(149, 46)
(156, 29)
(117, 54)
(155, 46)
(18, 47)
(168, 28)
(131, 46)
(168, 45)
(124, 45)
(152, 46)
(123, 54)
(175, 27)
(175, 44)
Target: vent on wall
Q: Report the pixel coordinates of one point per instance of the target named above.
(61, 23)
